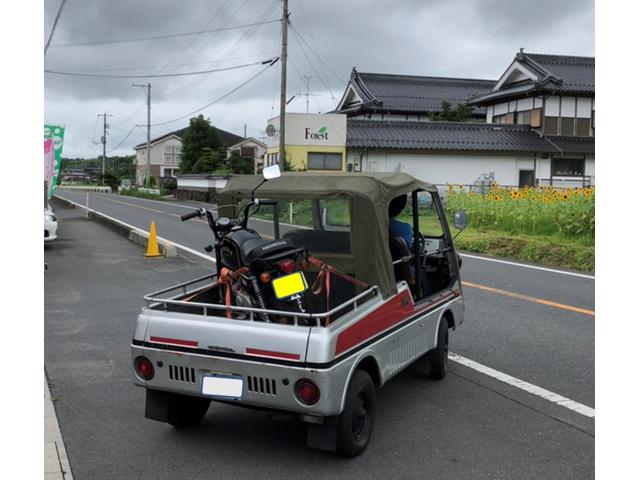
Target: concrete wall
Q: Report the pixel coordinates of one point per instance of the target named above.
(445, 168)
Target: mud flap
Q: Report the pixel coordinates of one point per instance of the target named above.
(323, 436)
(157, 405)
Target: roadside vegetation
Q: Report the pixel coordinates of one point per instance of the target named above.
(542, 225)
(132, 192)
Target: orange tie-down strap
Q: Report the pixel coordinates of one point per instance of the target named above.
(324, 280)
(226, 277)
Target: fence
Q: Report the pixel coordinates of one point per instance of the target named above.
(85, 188)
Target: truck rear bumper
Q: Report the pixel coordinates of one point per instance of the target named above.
(265, 385)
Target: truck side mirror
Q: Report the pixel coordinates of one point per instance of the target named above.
(271, 172)
(460, 220)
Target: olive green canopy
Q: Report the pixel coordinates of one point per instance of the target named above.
(370, 195)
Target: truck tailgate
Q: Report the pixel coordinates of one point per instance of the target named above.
(219, 335)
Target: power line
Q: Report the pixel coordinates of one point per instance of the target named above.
(154, 37)
(301, 38)
(155, 67)
(53, 28)
(199, 49)
(183, 74)
(124, 139)
(326, 85)
(232, 50)
(219, 98)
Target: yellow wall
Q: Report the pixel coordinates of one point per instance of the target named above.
(297, 155)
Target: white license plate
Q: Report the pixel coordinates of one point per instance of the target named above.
(222, 386)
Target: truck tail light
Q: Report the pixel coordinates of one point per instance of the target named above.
(307, 391)
(287, 266)
(144, 368)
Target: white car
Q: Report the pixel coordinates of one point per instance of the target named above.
(50, 225)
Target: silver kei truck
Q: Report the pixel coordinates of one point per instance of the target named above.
(325, 287)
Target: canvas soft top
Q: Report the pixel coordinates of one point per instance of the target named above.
(370, 194)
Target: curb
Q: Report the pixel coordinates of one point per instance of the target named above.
(56, 462)
(134, 234)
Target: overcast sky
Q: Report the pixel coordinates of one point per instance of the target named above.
(456, 38)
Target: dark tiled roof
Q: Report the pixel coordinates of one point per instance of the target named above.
(457, 137)
(414, 94)
(577, 73)
(574, 144)
(226, 138)
(558, 74)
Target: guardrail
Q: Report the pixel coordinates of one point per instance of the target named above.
(85, 188)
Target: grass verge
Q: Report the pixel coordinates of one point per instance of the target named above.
(551, 251)
(136, 193)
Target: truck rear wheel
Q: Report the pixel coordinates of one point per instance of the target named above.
(355, 423)
(439, 356)
(186, 411)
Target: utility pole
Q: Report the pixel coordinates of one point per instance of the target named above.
(148, 170)
(103, 140)
(283, 80)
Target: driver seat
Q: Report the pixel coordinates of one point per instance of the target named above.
(399, 249)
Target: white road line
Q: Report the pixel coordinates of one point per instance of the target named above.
(164, 202)
(503, 377)
(533, 267)
(527, 387)
(120, 222)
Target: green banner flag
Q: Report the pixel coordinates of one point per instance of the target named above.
(55, 133)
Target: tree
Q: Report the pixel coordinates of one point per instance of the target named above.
(461, 113)
(200, 140)
(208, 161)
(239, 164)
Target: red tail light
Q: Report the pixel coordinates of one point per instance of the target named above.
(288, 266)
(144, 368)
(307, 391)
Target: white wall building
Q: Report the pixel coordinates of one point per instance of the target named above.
(539, 130)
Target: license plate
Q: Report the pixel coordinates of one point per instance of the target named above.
(289, 285)
(222, 386)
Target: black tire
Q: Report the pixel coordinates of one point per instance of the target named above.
(439, 356)
(186, 411)
(355, 423)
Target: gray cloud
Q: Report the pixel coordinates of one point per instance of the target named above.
(470, 38)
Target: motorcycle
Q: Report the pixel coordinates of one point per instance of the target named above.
(258, 273)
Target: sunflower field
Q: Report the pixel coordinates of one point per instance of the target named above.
(566, 213)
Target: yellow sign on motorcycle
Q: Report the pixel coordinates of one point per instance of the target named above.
(289, 285)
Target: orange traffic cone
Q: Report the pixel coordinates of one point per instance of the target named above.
(152, 245)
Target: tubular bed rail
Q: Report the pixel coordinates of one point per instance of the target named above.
(155, 300)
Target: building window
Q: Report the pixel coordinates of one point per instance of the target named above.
(566, 126)
(499, 119)
(567, 167)
(324, 161)
(523, 118)
(177, 158)
(551, 125)
(168, 159)
(177, 149)
(582, 127)
(168, 149)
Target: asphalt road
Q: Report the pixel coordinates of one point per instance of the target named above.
(550, 347)
(467, 426)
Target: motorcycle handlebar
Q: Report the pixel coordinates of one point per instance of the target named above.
(189, 216)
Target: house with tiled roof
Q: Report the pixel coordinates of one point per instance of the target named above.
(166, 153)
(539, 126)
(383, 96)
